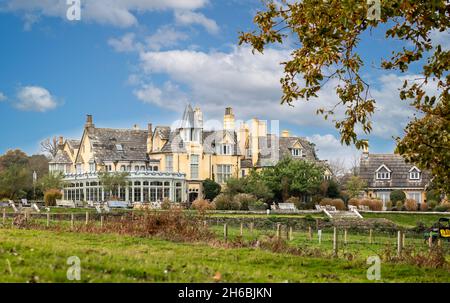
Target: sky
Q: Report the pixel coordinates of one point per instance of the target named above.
(130, 62)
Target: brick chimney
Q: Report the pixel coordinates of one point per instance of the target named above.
(150, 138)
(61, 143)
(89, 122)
(285, 134)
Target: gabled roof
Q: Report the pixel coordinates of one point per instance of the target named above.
(399, 172)
(383, 166)
(74, 144)
(104, 143)
(188, 117)
(163, 132)
(61, 158)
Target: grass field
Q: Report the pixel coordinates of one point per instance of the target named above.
(409, 220)
(28, 255)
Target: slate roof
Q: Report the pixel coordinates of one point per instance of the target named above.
(74, 144)
(399, 175)
(105, 140)
(285, 144)
(61, 158)
(163, 132)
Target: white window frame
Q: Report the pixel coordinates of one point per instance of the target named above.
(297, 152)
(414, 173)
(195, 166)
(169, 163)
(224, 172)
(383, 175)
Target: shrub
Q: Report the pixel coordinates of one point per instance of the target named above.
(354, 202)
(202, 205)
(444, 206)
(211, 189)
(423, 206)
(225, 202)
(257, 205)
(388, 205)
(244, 200)
(432, 204)
(373, 204)
(51, 196)
(296, 201)
(338, 203)
(410, 204)
(166, 204)
(399, 205)
(433, 195)
(397, 195)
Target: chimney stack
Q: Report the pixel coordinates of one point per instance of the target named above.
(285, 134)
(89, 122)
(61, 143)
(228, 119)
(365, 153)
(150, 138)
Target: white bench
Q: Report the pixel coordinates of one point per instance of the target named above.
(117, 204)
(287, 206)
(65, 203)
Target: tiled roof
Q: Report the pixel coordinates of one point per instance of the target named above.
(174, 143)
(61, 158)
(118, 144)
(399, 175)
(163, 132)
(74, 144)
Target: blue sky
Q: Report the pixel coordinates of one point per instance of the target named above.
(141, 61)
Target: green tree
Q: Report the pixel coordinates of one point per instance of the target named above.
(257, 187)
(211, 189)
(51, 181)
(333, 189)
(354, 186)
(234, 186)
(397, 195)
(328, 34)
(13, 157)
(111, 181)
(14, 181)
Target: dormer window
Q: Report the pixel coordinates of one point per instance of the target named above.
(225, 149)
(414, 173)
(297, 152)
(383, 173)
(119, 147)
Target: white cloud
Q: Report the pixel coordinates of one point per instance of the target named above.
(113, 12)
(190, 17)
(35, 98)
(126, 43)
(163, 97)
(2, 97)
(441, 38)
(165, 36)
(330, 148)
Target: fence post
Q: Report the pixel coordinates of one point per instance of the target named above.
(403, 240)
(101, 221)
(48, 219)
(370, 236)
(225, 232)
(242, 229)
(278, 230)
(71, 221)
(345, 236)
(251, 227)
(290, 234)
(4, 216)
(335, 242)
(319, 234)
(399, 243)
(430, 241)
(87, 218)
(309, 233)
(439, 243)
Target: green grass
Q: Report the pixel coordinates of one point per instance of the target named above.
(408, 220)
(42, 255)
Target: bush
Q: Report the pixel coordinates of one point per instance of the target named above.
(373, 204)
(202, 205)
(444, 206)
(354, 202)
(225, 202)
(432, 204)
(338, 203)
(296, 201)
(166, 204)
(423, 206)
(211, 189)
(388, 205)
(410, 204)
(433, 195)
(51, 196)
(257, 205)
(399, 205)
(244, 200)
(397, 195)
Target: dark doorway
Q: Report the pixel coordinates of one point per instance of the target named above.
(192, 197)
